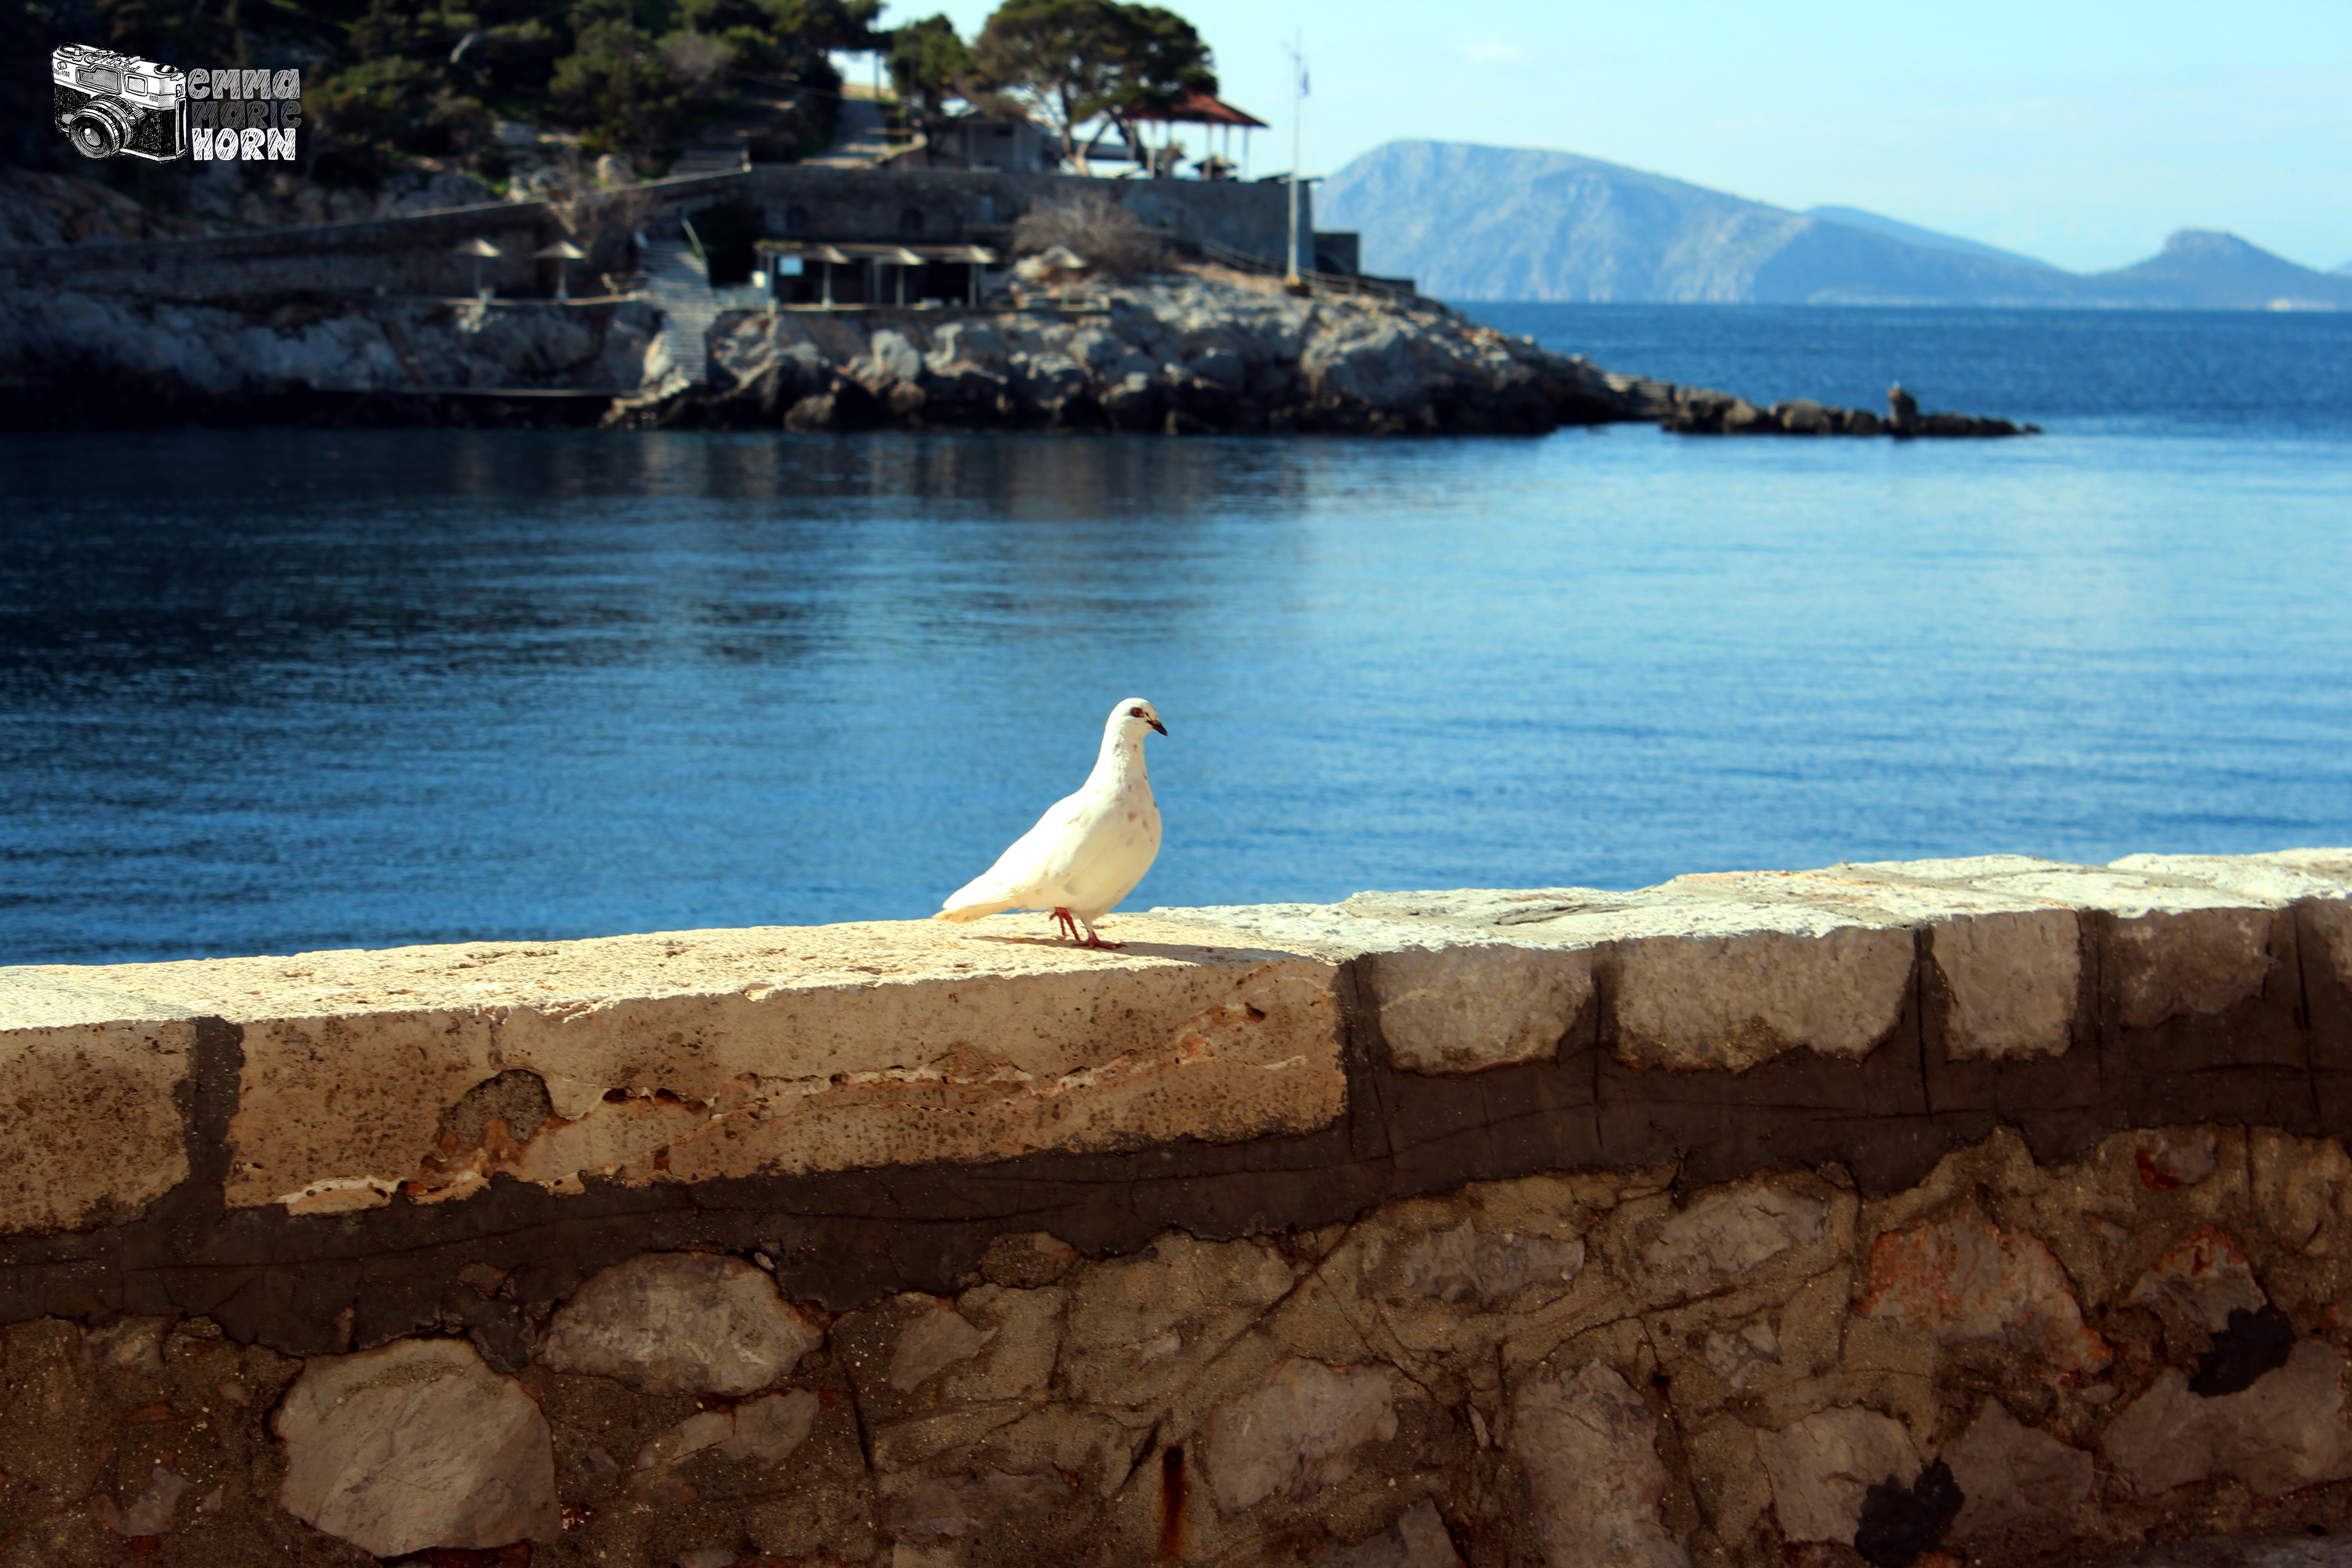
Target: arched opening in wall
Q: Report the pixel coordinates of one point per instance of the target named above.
(911, 224)
(728, 232)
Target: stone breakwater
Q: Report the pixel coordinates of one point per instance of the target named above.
(1703, 411)
(1992, 1209)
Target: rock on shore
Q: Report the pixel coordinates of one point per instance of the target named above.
(1703, 411)
(1201, 350)
(113, 359)
(1197, 351)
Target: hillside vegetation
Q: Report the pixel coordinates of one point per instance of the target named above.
(437, 87)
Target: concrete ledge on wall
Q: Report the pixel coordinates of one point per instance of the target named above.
(1993, 1208)
(673, 1058)
(1731, 969)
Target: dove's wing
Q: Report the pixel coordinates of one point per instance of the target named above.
(1037, 861)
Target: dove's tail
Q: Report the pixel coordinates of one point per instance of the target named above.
(955, 912)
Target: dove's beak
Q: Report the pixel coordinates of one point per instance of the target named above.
(1157, 725)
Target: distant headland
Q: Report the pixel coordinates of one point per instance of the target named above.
(1514, 223)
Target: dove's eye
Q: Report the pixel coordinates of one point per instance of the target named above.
(1135, 713)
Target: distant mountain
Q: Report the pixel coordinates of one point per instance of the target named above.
(1504, 223)
(1925, 238)
(2204, 270)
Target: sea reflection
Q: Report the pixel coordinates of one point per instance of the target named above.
(267, 690)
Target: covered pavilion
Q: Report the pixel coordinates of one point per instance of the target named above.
(1198, 108)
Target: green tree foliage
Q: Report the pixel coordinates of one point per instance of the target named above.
(617, 87)
(1072, 61)
(1166, 60)
(929, 65)
(388, 80)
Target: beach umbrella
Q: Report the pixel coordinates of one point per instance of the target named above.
(480, 250)
(563, 253)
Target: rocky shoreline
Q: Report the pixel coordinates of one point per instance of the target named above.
(1193, 351)
(1202, 351)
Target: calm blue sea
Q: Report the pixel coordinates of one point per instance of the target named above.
(269, 690)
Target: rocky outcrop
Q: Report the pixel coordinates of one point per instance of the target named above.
(1194, 350)
(1200, 350)
(116, 359)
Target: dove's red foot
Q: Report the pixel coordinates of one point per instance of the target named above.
(1069, 924)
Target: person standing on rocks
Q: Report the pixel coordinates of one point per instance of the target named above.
(1902, 411)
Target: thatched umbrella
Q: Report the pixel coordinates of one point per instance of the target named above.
(563, 253)
(480, 249)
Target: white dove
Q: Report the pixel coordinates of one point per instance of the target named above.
(1089, 850)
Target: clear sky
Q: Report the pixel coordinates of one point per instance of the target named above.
(2081, 132)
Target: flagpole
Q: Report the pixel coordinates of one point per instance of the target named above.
(1297, 113)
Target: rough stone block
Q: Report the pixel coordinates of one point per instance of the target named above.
(154, 1511)
(2203, 1278)
(2015, 1476)
(703, 1430)
(1462, 1009)
(681, 1322)
(2013, 977)
(1732, 1002)
(1962, 1278)
(1297, 1431)
(2288, 1431)
(416, 1444)
(1139, 1328)
(1590, 1447)
(934, 1341)
(763, 1432)
(1730, 1232)
(1465, 1262)
(94, 1135)
(2333, 922)
(2299, 1185)
(1417, 1539)
(2169, 962)
(1822, 1466)
(1742, 1353)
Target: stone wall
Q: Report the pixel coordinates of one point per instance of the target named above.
(398, 255)
(413, 254)
(1989, 1209)
(954, 205)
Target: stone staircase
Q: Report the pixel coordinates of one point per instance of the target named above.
(679, 283)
